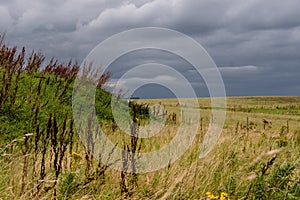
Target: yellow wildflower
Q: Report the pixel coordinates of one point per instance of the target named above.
(76, 156)
(211, 196)
(224, 196)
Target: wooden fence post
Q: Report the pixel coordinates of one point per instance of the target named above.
(247, 123)
(201, 123)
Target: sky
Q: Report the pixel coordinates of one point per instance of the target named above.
(255, 44)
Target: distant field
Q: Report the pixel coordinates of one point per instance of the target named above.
(278, 110)
(271, 105)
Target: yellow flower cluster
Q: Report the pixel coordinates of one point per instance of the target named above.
(76, 156)
(211, 196)
(223, 196)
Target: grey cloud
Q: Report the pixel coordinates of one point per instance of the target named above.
(237, 34)
(269, 14)
(5, 19)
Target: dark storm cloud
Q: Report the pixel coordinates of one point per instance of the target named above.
(255, 43)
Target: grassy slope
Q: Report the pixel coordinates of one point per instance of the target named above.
(17, 119)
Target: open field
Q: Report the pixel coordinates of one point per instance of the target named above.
(277, 110)
(257, 155)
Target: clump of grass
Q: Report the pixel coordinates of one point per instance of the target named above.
(129, 180)
(278, 184)
(67, 186)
